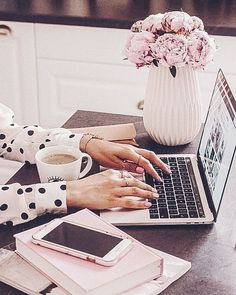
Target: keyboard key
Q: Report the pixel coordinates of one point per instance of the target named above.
(171, 203)
(154, 216)
(163, 213)
(172, 207)
(182, 206)
(193, 214)
(172, 212)
(183, 211)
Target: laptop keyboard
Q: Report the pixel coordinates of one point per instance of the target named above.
(178, 193)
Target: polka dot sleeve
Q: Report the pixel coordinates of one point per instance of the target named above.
(21, 143)
(19, 204)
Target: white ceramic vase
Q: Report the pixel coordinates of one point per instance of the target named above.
(172, 106)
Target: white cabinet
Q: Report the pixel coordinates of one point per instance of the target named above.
(18, 81)
(83, 68)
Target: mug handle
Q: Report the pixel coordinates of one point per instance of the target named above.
(88, 165)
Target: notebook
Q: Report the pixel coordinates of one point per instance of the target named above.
(78, 276)
(193, 192)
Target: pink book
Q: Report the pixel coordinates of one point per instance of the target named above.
(78, 276)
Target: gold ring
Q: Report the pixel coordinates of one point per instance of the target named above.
(139, 158)
(126, 181)
(122, 174)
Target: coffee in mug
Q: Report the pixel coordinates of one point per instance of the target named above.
(58, 163)
(59, 159)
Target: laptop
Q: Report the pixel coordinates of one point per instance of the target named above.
(192, 193)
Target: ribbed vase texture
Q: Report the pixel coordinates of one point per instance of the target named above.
(172, 106)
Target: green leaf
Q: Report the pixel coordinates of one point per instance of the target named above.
(173, 71)
(155, 62)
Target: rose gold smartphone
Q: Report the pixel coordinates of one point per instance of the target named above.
(82, 241)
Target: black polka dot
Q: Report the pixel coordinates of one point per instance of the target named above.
(42, 146)
(21, 151)
(2, 136)
(20, 191)
(12, 141)
(36, 126)
(72, 135)
(5, 188)
(9, 223)
(24, 216)
(32, 205)
(63, 187)
(28, 189)
(4, 145)
(12, 124)
(58, 203)
(30, 132)
(9, 149)
(3, 207)
(47, 140)
(25, 127)
(42, 190)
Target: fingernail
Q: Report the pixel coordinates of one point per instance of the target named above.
(147, 204)
(154, 189)
(155, 195)
(139, 169)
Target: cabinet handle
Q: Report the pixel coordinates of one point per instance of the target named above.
(5, 30)
(140, 104)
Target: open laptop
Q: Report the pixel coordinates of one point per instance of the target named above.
(193, 192)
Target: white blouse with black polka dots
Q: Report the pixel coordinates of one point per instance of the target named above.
(18, 203)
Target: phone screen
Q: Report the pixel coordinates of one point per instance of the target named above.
(82, 239)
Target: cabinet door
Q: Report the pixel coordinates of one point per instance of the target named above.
(18, 71)
(83, 68)
(65, 87)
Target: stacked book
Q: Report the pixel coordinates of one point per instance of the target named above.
(34, 269)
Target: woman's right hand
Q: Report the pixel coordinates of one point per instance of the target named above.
(108, 189)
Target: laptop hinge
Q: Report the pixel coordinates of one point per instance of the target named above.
(206, 188)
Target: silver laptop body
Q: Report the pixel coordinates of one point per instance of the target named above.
(207, 172)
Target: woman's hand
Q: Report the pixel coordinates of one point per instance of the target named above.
(127, 157)
(108, 189)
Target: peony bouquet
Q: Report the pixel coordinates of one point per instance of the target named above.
(172, 39)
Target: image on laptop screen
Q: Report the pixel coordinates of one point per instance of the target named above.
(217, 147)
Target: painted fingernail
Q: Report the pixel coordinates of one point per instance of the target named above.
(147, 204)
(139, 169)
(155, 195)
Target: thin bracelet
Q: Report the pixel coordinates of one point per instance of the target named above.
(90, 137)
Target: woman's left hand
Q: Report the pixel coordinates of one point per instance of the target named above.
(125, 157)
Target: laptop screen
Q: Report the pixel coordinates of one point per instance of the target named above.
(217, 146)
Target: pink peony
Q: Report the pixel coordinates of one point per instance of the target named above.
(170, 50)
(138, 50)
(153, 23)
(201, 49)
(177, 22)
(197, 23)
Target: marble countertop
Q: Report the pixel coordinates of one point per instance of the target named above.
(218, 16)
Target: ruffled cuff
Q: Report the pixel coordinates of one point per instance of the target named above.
(50, 197)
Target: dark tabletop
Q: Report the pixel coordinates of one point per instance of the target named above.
(218, 15)
(210, 248)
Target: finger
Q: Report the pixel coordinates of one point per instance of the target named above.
(132, 204)
(131, 155)
(132, 167)
(133, 182)
(152, 157)
(136, 192)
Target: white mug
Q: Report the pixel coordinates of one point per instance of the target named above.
(58, 163)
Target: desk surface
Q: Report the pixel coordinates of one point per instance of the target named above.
(210, 248)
